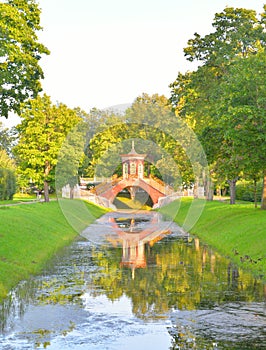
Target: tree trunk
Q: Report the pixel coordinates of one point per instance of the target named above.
(195, 189)
(209, 190)
(71, 192)
(46, 191)
(255, 193)
(47, 170)
(232, 184)
(263, 198)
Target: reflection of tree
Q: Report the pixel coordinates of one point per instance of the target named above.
(177, 276)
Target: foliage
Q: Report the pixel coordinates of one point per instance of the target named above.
(238, 32)
(151, 119)
(7, 176)
(5, 161)
(42, 132)
(243, 113)
(69, 157)
(20, 53)
(102, 130)
(7, 139)
(245, 191)
(157, 133)
(7, 184)
(224, 99)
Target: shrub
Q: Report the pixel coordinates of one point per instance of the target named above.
(245, 191)
(7, 184)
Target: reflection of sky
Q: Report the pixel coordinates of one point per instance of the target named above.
(101, 304)
(101, 324)
(111, 225)
(135, 333)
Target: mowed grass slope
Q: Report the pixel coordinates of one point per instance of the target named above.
(237, 231)
(31, 234)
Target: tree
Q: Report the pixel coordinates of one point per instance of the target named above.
(70, 156)
(171, 148)
(152, 118)
(42, 132)
(7, 176)
(238, 32)
(5, 161)
(20, 53)
(6, 139)
(243, 93)
(7, 184)
(103, 130)
(205, 98)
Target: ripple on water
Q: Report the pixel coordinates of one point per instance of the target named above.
(234, 325)
(99, 324)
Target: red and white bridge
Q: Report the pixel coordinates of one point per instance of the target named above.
(155, 189)
(133, 179)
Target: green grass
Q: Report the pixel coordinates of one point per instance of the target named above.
(237, 231)
(19, 198)
(24, 197)
(30, 235)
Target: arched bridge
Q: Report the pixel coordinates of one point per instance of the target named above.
(133, 178)
(155, 188)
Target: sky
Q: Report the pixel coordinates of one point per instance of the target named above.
(108, 52)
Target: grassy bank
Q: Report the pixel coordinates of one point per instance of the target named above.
(237, 231)
(29, 236)
(19, 198)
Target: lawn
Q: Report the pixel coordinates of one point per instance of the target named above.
(30, 235)
(237, 231)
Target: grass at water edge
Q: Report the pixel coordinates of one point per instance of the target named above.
(236, 231)
(30, 235)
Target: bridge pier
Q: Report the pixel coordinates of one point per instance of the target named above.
(132, 190)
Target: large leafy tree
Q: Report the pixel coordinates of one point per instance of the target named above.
(158, 133)
(42, 132)
(151, 118)
(103, 130)
(206, 96)
(70, 158)
(243, 113)
(238, 32)
(20, 53)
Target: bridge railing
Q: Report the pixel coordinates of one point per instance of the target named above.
(95, 179)
(105, 186)
(108, 183)
(161, 187)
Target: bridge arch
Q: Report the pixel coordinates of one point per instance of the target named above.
(152, 192)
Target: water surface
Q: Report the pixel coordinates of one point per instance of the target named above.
(135, 281)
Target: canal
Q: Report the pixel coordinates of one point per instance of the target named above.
(133, 280)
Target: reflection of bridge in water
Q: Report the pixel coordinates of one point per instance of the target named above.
(133, 232)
